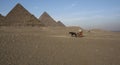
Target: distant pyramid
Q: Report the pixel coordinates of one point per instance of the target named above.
(20, 16)
(60, 24)
(1, 20)
(47, 20)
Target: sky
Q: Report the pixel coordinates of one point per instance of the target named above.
(88, 14)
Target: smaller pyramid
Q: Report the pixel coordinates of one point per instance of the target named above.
(1, 20)
(47, 20)
(19, 16)
(61, 24)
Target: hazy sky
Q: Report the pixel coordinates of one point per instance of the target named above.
(104, 14)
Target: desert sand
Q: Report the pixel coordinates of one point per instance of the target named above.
(54, 46)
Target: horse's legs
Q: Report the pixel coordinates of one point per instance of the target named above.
(75, 35)
(71, 35)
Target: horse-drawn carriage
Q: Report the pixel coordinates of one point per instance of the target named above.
(75, 34)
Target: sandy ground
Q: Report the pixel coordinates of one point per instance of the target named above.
(54, 46)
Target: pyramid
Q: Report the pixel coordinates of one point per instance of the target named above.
(1, 19)
(47, 20)
(60, 24)
(19, 16)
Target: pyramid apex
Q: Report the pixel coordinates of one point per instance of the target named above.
(18, 4)
(45, 13)
(47, 20)
(60, 24)
(17, 8)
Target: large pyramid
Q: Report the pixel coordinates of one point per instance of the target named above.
(19, 16)
(47, 20)
(60, 24)
(1, 19)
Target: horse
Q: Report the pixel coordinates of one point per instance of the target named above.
(73, 34)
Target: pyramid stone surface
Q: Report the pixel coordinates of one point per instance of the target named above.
(60, 24)
(47, 20)
(20, 16)
(1, 20)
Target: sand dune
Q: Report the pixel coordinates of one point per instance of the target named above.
(54, 46)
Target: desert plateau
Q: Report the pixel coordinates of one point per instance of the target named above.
(54, 46)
